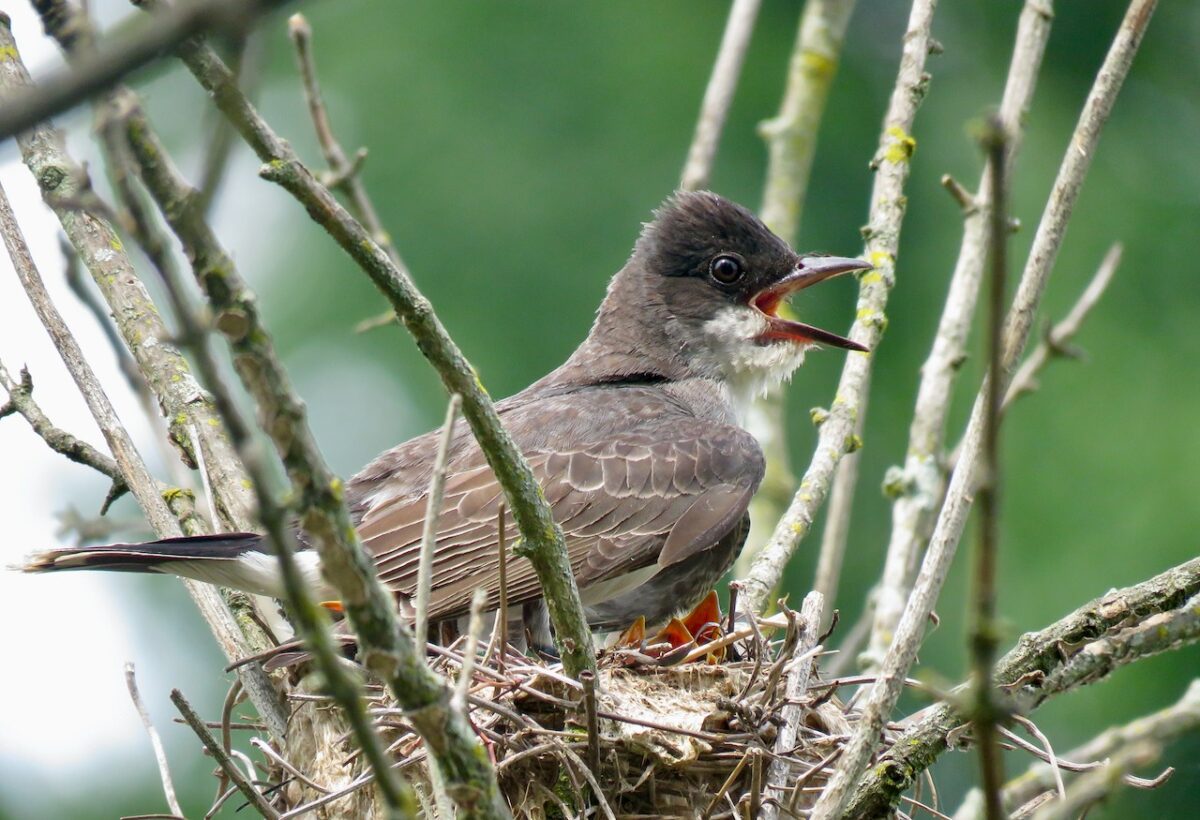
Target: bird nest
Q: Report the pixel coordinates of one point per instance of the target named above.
(718, 730)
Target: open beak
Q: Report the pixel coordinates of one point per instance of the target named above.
(810, 271)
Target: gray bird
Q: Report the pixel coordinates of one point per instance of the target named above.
(636, 440)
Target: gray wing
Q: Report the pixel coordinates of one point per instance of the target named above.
(626, 502)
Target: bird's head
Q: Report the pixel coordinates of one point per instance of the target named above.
(712, 277)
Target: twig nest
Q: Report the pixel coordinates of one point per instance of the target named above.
(668, 710)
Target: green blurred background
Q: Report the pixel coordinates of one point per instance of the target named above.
(516, 147)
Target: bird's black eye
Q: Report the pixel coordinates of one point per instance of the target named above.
(726, 269)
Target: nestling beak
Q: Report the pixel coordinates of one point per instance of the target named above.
(810, 270)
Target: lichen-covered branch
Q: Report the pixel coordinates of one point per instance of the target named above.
(275, 518)
(836, 435)
(918, 487)
(1037, 661)
(386, 647)
(100, 249)
(791, 135)
(791, 138)
(883, 694)
(185, 405)
(20, 400)
(542, 538)
(141, 483)
(718, 95)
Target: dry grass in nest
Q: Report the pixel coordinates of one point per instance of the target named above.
(705, 737)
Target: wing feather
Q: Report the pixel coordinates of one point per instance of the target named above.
(623, 503)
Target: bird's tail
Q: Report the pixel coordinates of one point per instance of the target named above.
(239, 560)
(151, 556)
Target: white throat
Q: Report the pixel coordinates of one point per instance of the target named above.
(751, 369)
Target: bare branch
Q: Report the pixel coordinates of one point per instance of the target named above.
(882, 696)
(986, 714)
(1162, 727)
(836, 436)
(799, 672)
(542, 537)
(343, 170)
(20, 400)
(718, 96)
(1057, 340)
(235, 775)
(458, 700)
(1099, 783)
(160, 754)
(166, 371)
(791, 138)
(1037, 661)
(835, 535)
(125, 52)
(791, 135)
(918, 486)
(433, 511)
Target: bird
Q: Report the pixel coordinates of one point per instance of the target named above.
(638, 440)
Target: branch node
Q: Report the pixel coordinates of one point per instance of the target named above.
(965, 199)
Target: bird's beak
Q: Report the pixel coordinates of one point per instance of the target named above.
(809, 271)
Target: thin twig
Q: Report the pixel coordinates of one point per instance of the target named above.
(542, 538)
(909, 632)
(500, 634)
(983, 638)
(248, 66)
(1051, 757)
(1034, 668)
(718, 96)
(226, 763)
(918, 487)
(458, 700)
(888, 204)
(205, 483)
(791, 139)
(588, 679)
(124, 53)
(160, 754)
(795, 693)
(279, 759)
(20, 400)
(1163, 726)
(433, 512)
(342, 169)
(835, 535)
(1096, 785)
(265, 378)
(1057, 340)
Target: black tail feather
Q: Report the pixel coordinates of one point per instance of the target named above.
(145, 557)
